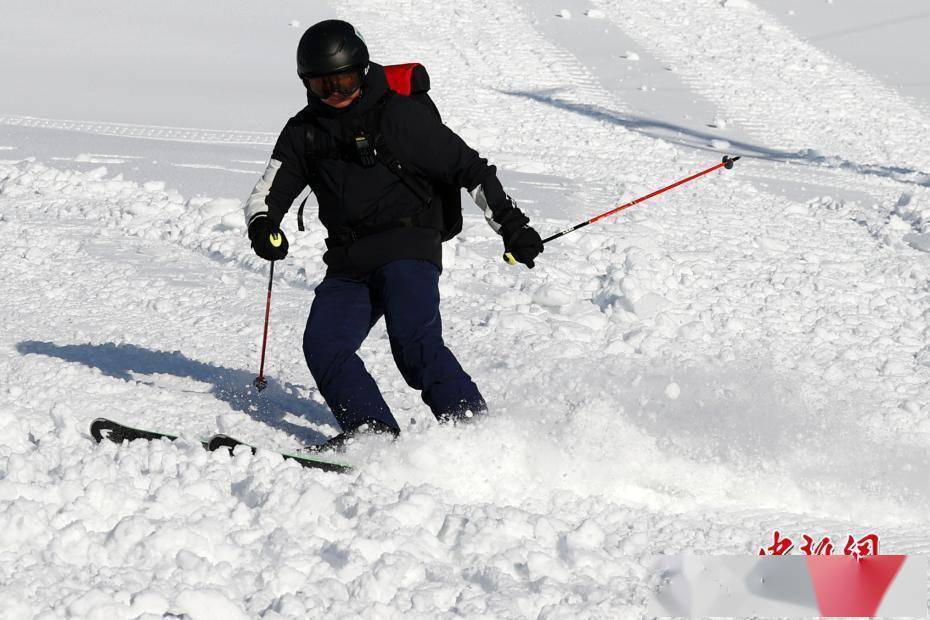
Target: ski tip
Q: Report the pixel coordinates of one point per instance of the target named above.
(225, 441)
(98, 426)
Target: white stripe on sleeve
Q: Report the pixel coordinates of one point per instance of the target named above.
(256, 205)
(481, 200)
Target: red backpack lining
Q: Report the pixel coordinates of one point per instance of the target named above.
(407, 79)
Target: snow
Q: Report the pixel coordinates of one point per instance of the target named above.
(886, 41)
(745, 353)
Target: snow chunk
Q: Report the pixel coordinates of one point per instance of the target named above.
(149, 602)
(631, 55)
(97, 173)
(735, 325)
(578, 544)
(648, 305)
(594, 13)
(208, 604)
(796, 209)
(894, 368)
(220, 206)
(141, 207)
(923, 356)
(772, 245)
(588, 535)
(96, 603)
(918, 241)
(552, 295)
(564, 14)
(673, 391)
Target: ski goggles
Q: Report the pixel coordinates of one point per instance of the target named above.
(326, 86)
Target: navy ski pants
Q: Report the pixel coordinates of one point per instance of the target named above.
(406, 293)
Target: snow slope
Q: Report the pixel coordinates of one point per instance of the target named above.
(744, 354)
(885, 40)
(109, 61)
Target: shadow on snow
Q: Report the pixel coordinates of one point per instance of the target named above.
(694, 138)
(233, 387)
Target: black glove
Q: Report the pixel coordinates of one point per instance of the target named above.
(268, 240)
(520, 239)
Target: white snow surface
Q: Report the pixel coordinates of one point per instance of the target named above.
(746, 353)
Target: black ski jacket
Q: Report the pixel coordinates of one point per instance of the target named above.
(353, 197)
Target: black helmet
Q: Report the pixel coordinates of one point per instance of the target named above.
(331, 46)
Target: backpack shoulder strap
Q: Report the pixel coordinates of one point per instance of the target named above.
(412, 80)
(314, 135)
(320, 144)
(369, 146)
(372, 148)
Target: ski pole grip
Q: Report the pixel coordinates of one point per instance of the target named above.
(728, 161)
(509, 259)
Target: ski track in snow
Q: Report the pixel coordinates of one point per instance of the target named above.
(150, 132)
(789, 93)
(705, 369)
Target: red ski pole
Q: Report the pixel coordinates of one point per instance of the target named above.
(726, 163)
(260, 382)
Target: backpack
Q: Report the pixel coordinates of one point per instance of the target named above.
(408, 80)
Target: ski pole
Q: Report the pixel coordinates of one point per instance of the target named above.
(726, 163)
(260, 382)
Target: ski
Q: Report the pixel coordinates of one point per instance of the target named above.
(103, 428)
(225, 441)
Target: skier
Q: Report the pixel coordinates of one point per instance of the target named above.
(384, 240)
